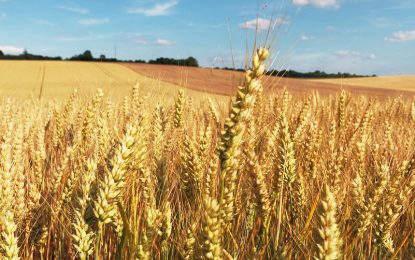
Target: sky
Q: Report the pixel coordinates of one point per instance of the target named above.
(355, 36)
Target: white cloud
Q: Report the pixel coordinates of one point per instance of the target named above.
(141, 41)
(11, 49)
(371, 56)
(93, 21)
(263, 24)
(91, 37)
(347, 53)
(133, 35)
(307, 38)
(73, 9)
(401, 36)
(2, 16)
(136, 37)
(42, 22)
(158, 9)
(318, 3)
(165, 42)
(73, 38)
(350, 54)
(381, 22)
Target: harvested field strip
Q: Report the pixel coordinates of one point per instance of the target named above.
(225, 82)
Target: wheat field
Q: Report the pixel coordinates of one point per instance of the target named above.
(403, 83)
(274, 176)
(56, 80)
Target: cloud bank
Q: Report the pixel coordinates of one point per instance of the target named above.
(93, 21)
(401, 36)
(165, 42)
(158, 9)
(73, 9)
(263, 24)
(318, 3)
(11, 49)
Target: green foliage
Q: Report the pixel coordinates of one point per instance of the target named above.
(86, 56)
(190, 62)
(306, 75)
(315, 74)
(27, 56)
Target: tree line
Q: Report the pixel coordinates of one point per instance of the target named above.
(26, 56)
(314, 74)
(87, 56)
(190, 62)
(307, 75)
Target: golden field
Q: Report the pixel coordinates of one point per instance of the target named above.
(55, 80)
(149, 171)
(402, 83)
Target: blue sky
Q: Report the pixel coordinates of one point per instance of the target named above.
(358, 36)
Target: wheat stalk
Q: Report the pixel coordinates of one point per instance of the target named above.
(328, 238)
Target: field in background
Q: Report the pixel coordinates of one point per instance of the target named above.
(225, 81)
(404, 83)
(58, 79)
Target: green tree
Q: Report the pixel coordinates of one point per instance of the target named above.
(192, 62)
(87, 55)
(25, 54)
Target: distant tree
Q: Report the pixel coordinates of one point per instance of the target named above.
(1, 53)
(87, 55)
(25, 54)
(102, 57)
(191, 62)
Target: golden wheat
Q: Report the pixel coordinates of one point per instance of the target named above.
(280, 175)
